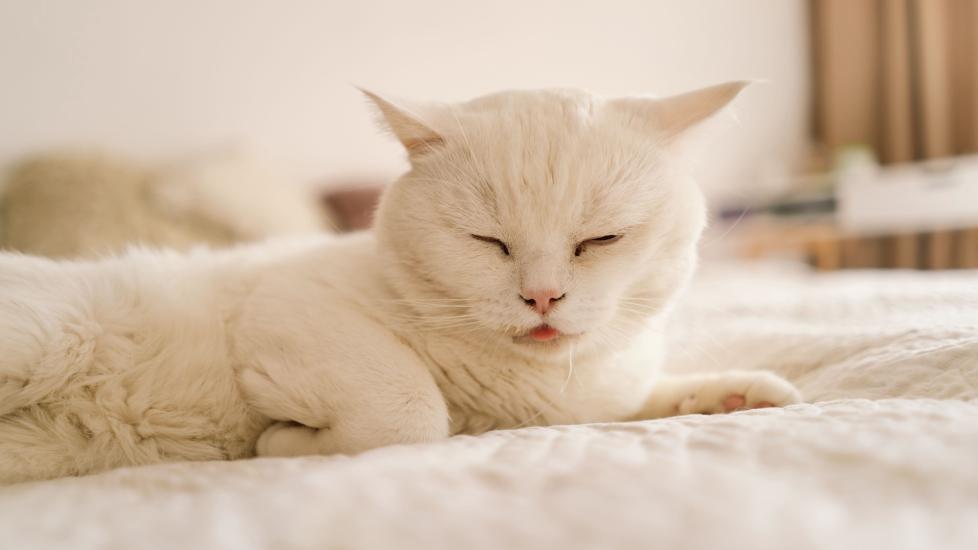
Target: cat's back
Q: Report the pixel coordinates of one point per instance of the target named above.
(123, 360)
(145, 306)
(65, 323)
(157, 317)
(138, 284)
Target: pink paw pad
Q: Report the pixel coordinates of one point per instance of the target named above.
(736, 402)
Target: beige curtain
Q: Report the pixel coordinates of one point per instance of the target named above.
(898, 75)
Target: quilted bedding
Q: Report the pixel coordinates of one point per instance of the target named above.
(885, 455)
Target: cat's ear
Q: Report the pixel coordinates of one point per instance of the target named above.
(671, 116)
(417, 136)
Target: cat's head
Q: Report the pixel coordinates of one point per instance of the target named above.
(543, 220)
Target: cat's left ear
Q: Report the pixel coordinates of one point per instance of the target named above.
(417, 136)
(672, 116)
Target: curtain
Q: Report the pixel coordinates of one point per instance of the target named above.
(900, 76)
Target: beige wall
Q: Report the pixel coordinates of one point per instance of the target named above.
(162, 78)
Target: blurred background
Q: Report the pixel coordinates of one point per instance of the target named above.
(222, 108)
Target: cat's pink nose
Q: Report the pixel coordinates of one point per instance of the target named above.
(541, 300)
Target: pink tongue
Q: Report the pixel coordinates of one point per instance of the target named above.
(543, 333)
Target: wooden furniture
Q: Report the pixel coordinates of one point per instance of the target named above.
(827, 248)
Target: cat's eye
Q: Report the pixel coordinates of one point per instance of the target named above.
(602, 240)
(492, 240)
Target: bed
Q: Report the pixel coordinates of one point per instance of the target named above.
(884, 455)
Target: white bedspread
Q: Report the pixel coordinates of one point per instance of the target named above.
(885, 457)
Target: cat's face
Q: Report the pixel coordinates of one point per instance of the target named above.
(543, 220)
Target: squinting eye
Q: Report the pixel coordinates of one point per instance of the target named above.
(502, 246)
(606, 239)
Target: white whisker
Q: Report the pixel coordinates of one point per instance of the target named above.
(570, 368)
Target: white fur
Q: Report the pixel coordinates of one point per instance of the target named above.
(408, 334)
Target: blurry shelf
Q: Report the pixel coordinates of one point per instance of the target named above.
(826, 247)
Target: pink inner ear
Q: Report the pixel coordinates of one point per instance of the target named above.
(419, 146)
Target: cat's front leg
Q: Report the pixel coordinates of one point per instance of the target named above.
(720, 392)
(348, 386)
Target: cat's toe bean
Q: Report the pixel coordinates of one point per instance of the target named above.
(770, 390)
(737, 391)
(734, 402)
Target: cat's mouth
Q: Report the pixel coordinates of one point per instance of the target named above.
(544, 333)
(544, 336)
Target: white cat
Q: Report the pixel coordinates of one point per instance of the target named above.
(518, 274)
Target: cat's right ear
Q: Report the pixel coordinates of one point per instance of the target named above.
(671, 117)
(417, 136)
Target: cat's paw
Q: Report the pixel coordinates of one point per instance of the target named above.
(288, 439)
(738, 390)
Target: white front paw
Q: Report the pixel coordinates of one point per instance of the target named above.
(738, 390)
(287, 439)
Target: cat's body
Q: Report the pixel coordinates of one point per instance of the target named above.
(155, 357)
(493, 293)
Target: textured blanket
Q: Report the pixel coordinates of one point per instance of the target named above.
(885, 455)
